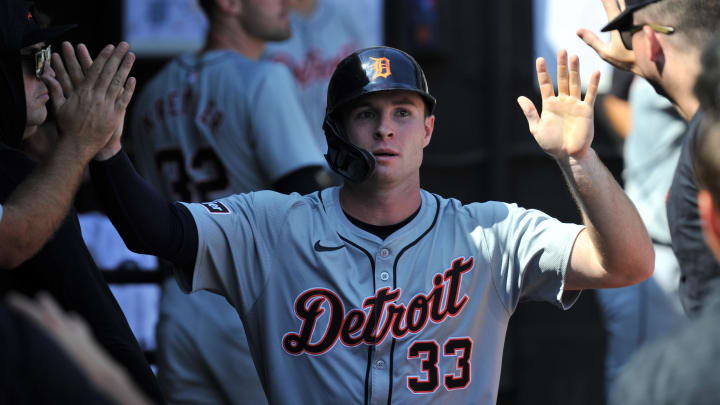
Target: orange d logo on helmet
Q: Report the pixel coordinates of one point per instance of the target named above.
(380, 67)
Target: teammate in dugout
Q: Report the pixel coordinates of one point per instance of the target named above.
(377, 291)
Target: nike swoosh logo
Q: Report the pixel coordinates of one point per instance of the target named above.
(321, 248)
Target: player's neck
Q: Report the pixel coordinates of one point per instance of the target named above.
(679, 83)
(231, 36)
(380, 206)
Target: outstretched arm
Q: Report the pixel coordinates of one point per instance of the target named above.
(86, 120)
(35, 209)
(615, 249)
(147, 222)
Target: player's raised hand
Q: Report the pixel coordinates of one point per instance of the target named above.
(73, 76)
(67, 75)
(613, 52)
(91, 98)
(565, 128)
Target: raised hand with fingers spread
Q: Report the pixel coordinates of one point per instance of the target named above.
(615, 250)
(565, 128)
(613, 52)
(91, 98)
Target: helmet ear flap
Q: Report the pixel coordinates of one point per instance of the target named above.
(351, 162)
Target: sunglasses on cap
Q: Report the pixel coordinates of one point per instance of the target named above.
(40, 58)
(626, 35)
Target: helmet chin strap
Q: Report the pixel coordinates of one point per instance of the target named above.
(353, 163)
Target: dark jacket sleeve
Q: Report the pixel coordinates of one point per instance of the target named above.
(147, 222)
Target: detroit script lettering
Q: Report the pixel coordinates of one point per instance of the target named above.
(363, 325)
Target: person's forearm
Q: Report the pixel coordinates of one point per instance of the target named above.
(35, 209)
(147, 222)
(115, 383)
(615, 228)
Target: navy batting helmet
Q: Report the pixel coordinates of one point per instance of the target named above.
(366, 71)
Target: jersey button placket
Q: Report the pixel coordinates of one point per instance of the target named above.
(384, 267)
(381, 355)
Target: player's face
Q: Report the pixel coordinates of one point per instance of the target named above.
(267, 19)
(393, 127)
(36, 93)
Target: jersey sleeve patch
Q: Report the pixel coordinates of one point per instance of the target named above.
(216, 207)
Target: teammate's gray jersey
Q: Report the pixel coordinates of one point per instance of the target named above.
(334, 314)
(318, 43)
(213, 124)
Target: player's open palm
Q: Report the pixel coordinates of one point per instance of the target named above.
(91, 97)
(565, 128)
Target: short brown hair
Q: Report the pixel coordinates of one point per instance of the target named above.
(694, 21)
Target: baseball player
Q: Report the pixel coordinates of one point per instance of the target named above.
(208, 125)
(38, 204)
(88, 111)
(379, 292)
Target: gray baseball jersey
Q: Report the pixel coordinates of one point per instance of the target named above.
(207, 126)
(334, 314)
(213, 124)
(318, 43)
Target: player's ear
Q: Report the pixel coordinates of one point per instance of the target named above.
(654, 46)
(710, 219)
(228, 7)
(429, 126)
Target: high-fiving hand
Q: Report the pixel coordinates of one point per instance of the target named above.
(613, 52)
(565, 128)
(90, 98)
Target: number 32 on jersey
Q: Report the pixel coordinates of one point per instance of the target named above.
(203, 178)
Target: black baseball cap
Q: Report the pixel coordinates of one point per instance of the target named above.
(624, 19)
(19, 27)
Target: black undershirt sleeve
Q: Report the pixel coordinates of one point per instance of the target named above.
(146, 220)
(303, 181)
